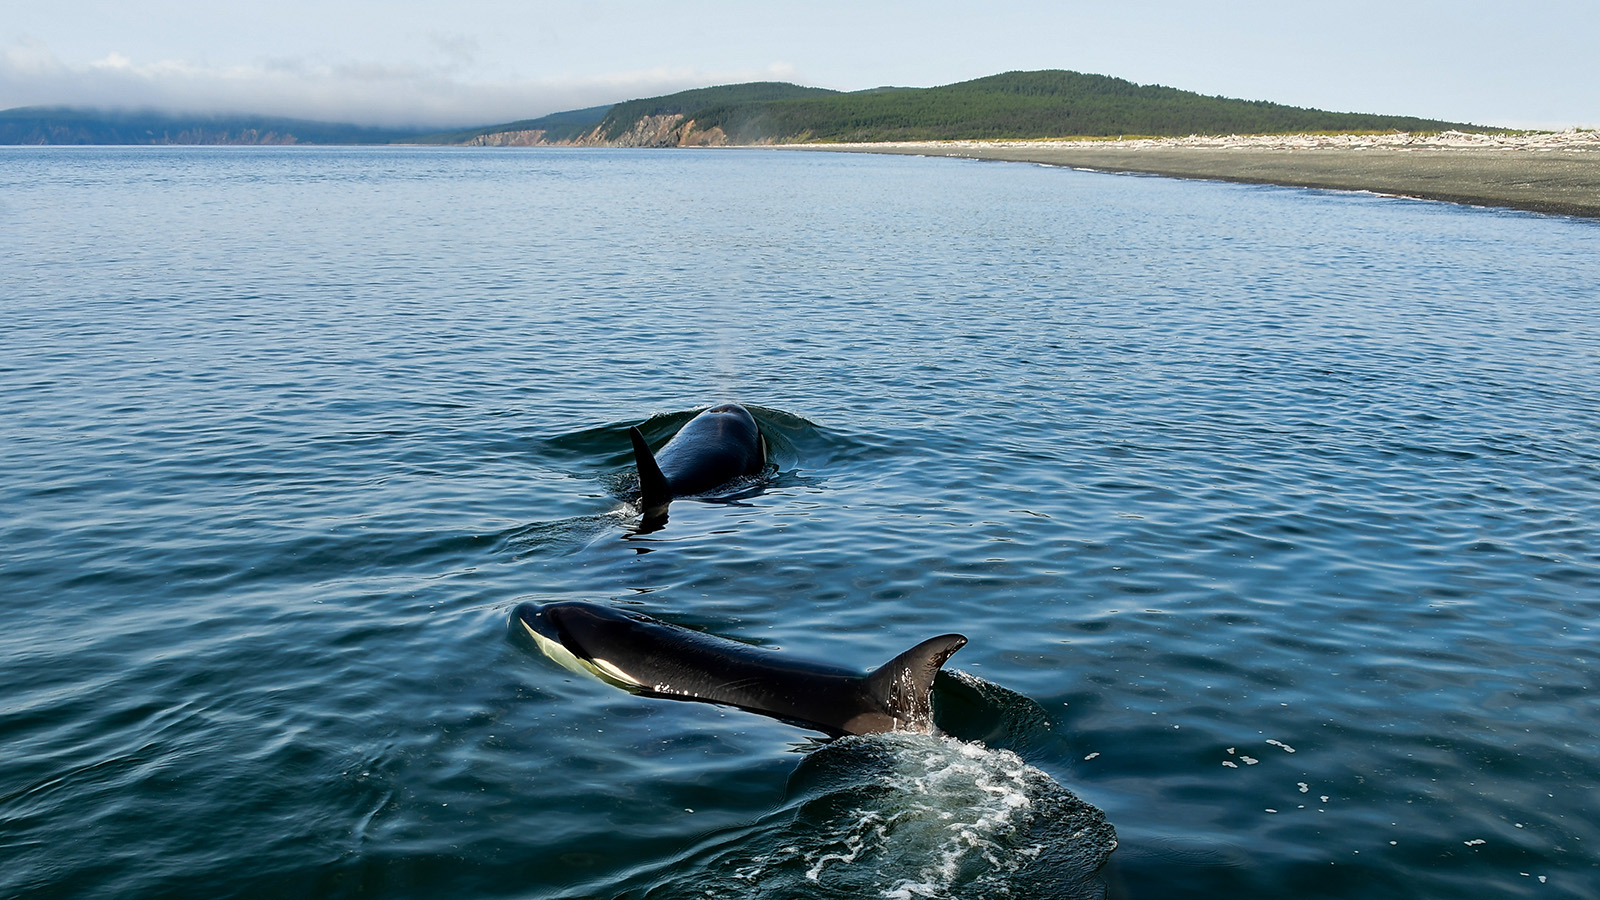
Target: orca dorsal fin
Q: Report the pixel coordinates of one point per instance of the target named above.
(654, 492)
(904, 685)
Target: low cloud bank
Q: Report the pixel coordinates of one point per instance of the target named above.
(354, 91)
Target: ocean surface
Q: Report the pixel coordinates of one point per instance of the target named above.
(1272, 517)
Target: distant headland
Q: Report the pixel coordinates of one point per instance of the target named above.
(1055, 117)
(1010, 106)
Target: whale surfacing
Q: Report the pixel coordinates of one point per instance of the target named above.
(658, 659)
(718, 445)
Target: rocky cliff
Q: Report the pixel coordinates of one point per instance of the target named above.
(533, 137)
(671, 130)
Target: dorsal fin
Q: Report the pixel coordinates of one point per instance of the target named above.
(904, 685)
(654, 492)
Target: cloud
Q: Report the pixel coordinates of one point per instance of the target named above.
(439, 92)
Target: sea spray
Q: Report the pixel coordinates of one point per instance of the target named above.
(907, 816)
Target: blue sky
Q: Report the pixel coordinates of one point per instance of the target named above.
(459, 62)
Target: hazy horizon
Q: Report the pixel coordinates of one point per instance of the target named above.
(478, 62)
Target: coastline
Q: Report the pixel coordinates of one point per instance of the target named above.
(1554, 173)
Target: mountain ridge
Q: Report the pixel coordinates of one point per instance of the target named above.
(64, 125)
(1049, 103)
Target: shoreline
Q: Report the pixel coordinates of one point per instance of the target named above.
(1553, 173)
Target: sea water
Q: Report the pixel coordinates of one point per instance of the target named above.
(1272, 515)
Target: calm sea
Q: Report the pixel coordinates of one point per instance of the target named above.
(1273, 517)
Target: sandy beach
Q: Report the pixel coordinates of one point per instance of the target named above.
(1554, 172)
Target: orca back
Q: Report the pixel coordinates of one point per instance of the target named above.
(659, 659)
(715, 447)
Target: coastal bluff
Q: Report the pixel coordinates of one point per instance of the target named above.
(664, 130)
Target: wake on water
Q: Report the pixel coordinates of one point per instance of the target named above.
(946, 818)
(904, 816)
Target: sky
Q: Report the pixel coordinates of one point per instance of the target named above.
(451, 63)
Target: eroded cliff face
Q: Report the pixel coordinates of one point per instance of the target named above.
(531, 138)
(652, 131)
(671, 130)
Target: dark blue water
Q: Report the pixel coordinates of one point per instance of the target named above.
(1273, 517)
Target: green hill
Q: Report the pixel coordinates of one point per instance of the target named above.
(1014, 105)
(694, 104)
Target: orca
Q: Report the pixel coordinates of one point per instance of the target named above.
(656, 659)
(718, 445)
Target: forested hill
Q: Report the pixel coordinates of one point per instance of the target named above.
(1033, 105)
(697, 104)
(1043, 104)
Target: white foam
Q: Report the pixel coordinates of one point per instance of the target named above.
(908, 817)
(950, 812)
